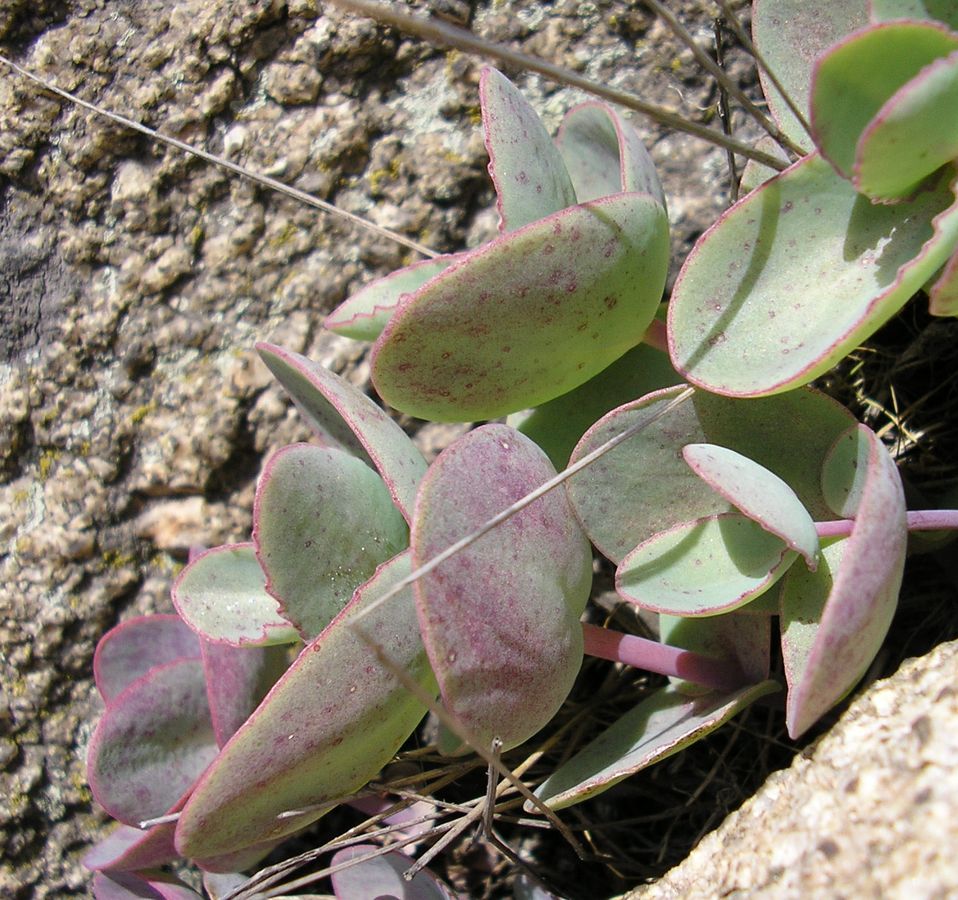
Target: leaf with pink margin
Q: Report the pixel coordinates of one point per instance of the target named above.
(527, 170)
(757, 493)
(662, 724)
(791, 35)
(743, 638)
(939, 10)
(140, 886)
(529, 316)
(500, 619)
(753, 311)
(152, 743)
(703, 567)
(643, 486)
(129, 650)
(363, 315)
(222, 596)
(911, 135)
(834, 620)
(332, 406)
(237, 680)
(855, 79)
(329, 725)
(322, 522)
(943, 295)
(127, 848)
(604, 154)
(381, 876)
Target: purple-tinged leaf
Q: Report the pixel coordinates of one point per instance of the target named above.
(604, 154)
(152, 743)
(500, 619)
(754, 311)
(912, 134)
(237, 679)
(757, 493)
(129, 650)
(529, 316)
(380, 877)
(834, 620)
(329, 725)
(364, 314)
(527, 170)
(943, 296)
(127, 848)
(743, 638)
(664, 723)
(643, 486)
(334, 408)
(222, 596)
(322, 522)
(791, 35)
(140, 886)
(218, 884)
(854, 80)
(703, 567)
(938, 10)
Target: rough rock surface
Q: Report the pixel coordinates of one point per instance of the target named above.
(867, 811)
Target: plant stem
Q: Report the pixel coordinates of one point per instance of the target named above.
(723, 675)
(918, 520)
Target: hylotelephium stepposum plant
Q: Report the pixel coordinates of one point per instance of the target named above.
(751, 497)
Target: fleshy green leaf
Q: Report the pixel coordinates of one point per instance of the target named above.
(643, 486)
(363, 315)
(381, 877)
(500, 619)
(604, 154)
(152, 742)
(834, 620)
(339, 412)
(791, 35)
(703, 567)
(529, 175)
(941, 10)
(529, 316)
(661, 725)
(322, 522)
(755, 309)
(854, 80)
(757, 493)
(912, 134)
(943, 296)
(329, 725)
(222, 596)
(130, 649)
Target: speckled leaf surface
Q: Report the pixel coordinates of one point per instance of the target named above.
(943, 296)
(754, 308)
(941, 10)
(381, 877)
(703, 567)
(152, 742)
(643, 486)
(912, 134)
(757, 493)
(329, 725)
(604, 154)
(322, 522)
(527, 170)
(363, 315)
(834, 621)
(222, 596)
(529, 316)
(500, 619)
(129, 650)
(336, 410)
(661, 725)
(854, 80)
(791, 35)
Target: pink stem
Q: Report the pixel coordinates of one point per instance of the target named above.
(656, 335)
(919, 520)
(652, 656)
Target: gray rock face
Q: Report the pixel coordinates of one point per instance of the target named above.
(867, 811)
